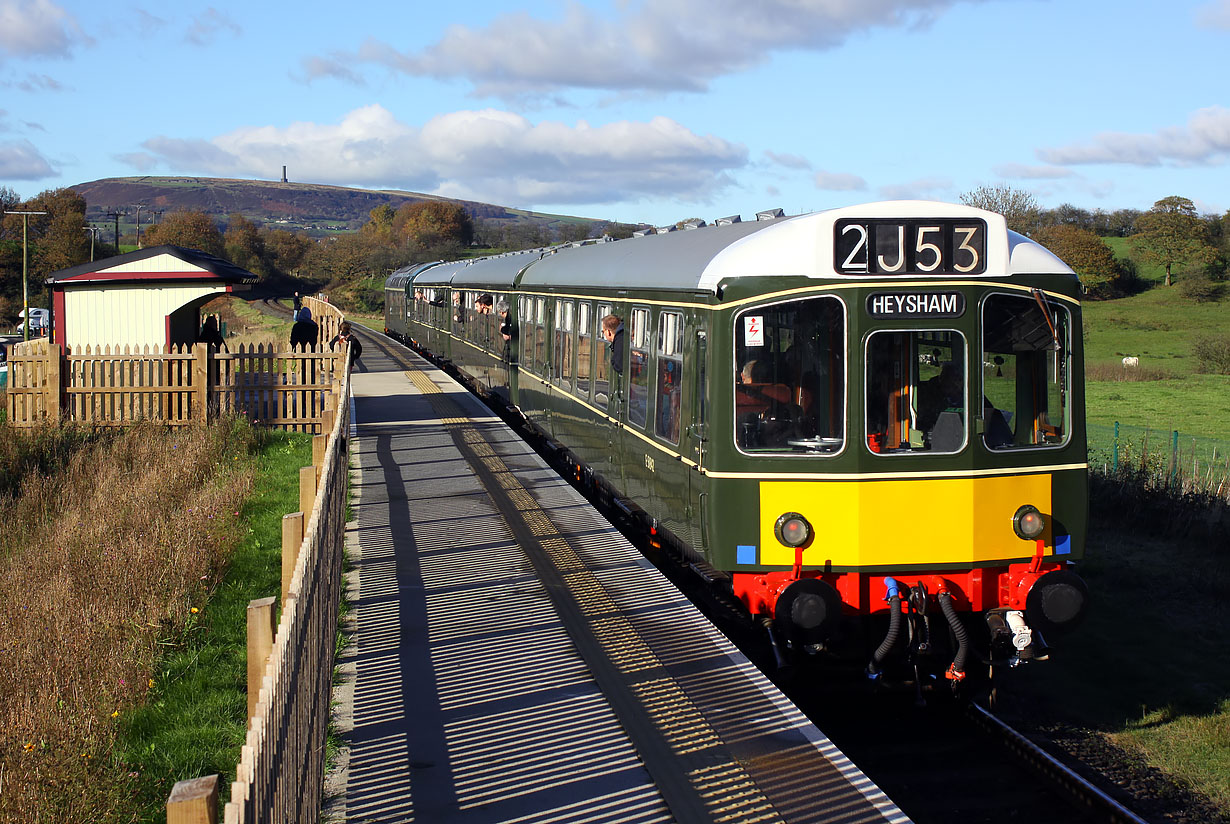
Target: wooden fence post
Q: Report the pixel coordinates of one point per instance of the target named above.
(292, 540)
(320, 445)
(194, 801)
(54, 389)
(307, 491)
(200, 383)
(260, 645)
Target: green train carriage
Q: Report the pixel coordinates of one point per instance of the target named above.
(868, 411)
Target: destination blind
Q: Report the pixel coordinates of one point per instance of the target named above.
(930, 304)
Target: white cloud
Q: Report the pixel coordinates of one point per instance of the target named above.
(208, 25)
(20, 160)
(1204, 140)
(1215, 15)
(839, 182)
(488, 155)
(1025, 172)
(927, 188)
(790, 161)
(676, 45)
(30, 28)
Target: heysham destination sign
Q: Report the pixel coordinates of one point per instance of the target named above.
(916, 304)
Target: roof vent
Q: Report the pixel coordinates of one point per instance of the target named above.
(726, 221)
(642, 232)
(694, 223)
(664, 229)
(769, 214)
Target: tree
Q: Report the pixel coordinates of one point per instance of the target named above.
(56, 240)
(287, 250)
(245, 245)
(1087, 254)
(434, 223)
(1019, 208)
(1171, 233)
(192, 230)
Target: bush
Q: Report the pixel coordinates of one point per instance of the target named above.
(1199, 287)
(1212, 353)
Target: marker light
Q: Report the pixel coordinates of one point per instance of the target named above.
(1028, 523)
(792, 530)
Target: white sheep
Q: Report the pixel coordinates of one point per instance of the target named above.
(1131, 361)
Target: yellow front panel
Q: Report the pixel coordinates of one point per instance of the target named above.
(959, 521)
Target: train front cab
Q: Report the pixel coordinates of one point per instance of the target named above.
(937, 469)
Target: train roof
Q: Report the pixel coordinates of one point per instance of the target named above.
(700, 260)
(496, 272)
(405, 274)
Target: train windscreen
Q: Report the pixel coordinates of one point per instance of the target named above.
(790, 377)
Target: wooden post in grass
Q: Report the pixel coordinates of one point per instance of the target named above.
(194, 801)
(200, 383)
(292, 539)
(260, 645)
(320, 444)
(307, 491)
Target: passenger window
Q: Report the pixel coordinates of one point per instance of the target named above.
(602, 364)
(1026, 372)
(584, 349)
(540, 337)
(789, 377)
(638, 368)
(916, 390)
(670, 374)
(563, 344)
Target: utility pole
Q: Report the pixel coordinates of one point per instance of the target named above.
(116, 216)
(140, 206)
(93, 230)
(25, 266)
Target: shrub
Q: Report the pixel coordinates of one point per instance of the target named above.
(1212, 353)
(1199, 287)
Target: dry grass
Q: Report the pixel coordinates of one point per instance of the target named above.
(1119, 372)
(100, 562)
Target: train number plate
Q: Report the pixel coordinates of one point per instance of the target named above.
(914, 246)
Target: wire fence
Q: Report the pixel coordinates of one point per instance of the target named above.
(1160, 481)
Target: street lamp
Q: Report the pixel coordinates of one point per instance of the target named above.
(25, 265)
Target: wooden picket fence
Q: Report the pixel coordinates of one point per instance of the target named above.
(281, 771)
(116, 386)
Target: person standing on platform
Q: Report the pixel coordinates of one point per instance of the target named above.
(305, 332)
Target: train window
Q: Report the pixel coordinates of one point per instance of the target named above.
(584, 349)
(638, 369)
(1026, 372)
(670, 374)
(563, 344)
(602, 364)
(540, 337)
(790, 391)
(916, 391)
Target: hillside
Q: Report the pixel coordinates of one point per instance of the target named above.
(302, 207)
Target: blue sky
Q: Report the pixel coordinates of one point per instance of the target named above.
(630, 110)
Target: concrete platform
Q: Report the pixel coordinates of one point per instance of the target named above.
(514, 659)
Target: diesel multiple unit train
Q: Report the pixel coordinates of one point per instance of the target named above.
(874, 412)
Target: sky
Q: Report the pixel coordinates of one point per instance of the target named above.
(630, 110)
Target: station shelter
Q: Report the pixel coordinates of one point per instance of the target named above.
(148, 297)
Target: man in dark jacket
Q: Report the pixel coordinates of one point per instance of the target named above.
(613, 332)
(305, 332)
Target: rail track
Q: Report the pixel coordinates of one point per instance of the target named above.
(949, 759)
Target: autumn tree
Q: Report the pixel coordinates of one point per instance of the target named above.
(1019, 208)
(287, 250)
(192, 230)
(245, 245)
(53, 241)
(1171, 233)
(434, 224)
(1087, 254)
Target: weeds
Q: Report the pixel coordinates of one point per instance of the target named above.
(112, 548)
